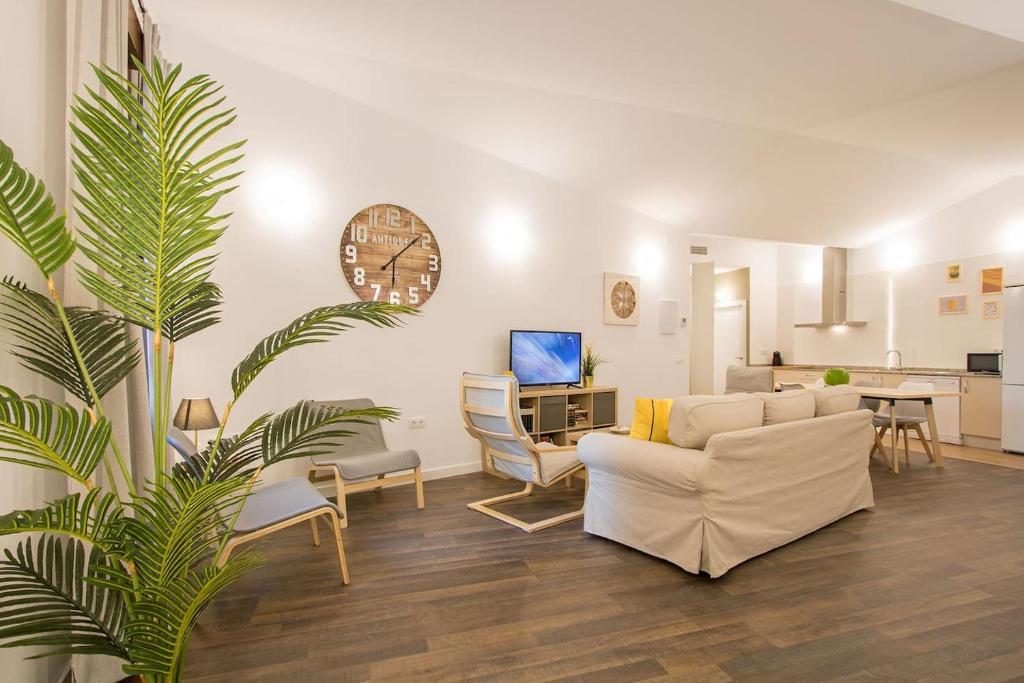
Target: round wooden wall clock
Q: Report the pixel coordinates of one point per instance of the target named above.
(389, 254)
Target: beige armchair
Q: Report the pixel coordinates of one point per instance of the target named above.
(490, 409)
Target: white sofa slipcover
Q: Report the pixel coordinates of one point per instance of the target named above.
(747, 492)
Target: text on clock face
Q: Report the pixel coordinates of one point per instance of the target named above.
(390, 254)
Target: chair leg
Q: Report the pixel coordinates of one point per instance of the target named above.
(924, 442)
(341, 547)
(878, 446)
(484, 507)
(419, 488)
(226, 553)
(339, 487)
(316, 532)
(906, 445)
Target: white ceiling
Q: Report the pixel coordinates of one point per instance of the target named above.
(793, 120)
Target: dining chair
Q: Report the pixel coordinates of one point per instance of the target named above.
(490, 410)
(909, 415)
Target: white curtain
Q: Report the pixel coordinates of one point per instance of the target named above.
(97, 33)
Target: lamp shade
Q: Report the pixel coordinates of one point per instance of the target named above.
(196, 413)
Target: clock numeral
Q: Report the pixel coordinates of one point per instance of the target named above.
(395, 298)
(434, 262)
(351, 255)
(425, 280)
(358, 232)
(428, 241)
(414, 295)
(359, 276)
(376, 290)
(394, 218)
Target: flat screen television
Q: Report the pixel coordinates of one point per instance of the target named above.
(537, 357)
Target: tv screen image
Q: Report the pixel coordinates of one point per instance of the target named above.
(545, 357)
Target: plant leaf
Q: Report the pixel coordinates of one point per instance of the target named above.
(108, 351)
(301, 431)
(88, 518)
(148, 199)
(39, 433)
(28, 216)
(314, 327)
(47, 599)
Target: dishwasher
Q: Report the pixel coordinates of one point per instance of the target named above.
(947, 409)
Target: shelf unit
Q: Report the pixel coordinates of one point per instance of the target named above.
(556, 414)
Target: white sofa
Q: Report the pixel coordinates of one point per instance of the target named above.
(740, 487)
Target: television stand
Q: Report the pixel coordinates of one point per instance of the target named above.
(562, 415)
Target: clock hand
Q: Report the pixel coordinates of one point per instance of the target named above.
(385, 266)
(393, 262)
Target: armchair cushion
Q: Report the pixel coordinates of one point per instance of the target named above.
(555, 460)
(368, 463)
(694, 419)
(280, 502)
(787, 406)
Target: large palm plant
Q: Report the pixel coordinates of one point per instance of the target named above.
(113, 569)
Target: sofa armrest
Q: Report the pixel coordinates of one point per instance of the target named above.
(647, 462)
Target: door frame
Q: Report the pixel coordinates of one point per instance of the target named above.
(742, 304)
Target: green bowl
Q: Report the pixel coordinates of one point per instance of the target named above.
(834, 376)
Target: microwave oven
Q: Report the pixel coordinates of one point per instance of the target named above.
(991, 363)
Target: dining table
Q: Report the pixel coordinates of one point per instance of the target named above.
(926, 396)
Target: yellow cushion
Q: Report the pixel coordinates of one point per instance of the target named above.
(650, 419)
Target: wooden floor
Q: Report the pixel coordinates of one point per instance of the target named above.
(929, 585)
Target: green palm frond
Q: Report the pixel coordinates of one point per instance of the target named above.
(28, 216)
(314, 327)
(39, 433)
(148, 198)
(233, 456)
(88, 518)
(306, 430)
(301, 431)
(47, 599)
(108, 351)
(176, 525)
(166, 615)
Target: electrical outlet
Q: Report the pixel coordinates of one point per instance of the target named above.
(417, 423)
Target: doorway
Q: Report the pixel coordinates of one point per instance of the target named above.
(730, 338)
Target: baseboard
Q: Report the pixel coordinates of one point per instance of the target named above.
(982, 442)
(428, 474)
(451, 470)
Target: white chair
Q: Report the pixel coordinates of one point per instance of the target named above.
(873, 404)
(740, 379)
(490, 409)
(909, 415)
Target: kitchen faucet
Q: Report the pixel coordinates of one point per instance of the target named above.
(898, 355)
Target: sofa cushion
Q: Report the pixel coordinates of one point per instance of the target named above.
(694, 419)
(650, 419)
(787, 406)
(838, 399)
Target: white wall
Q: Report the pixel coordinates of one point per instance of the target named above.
(894, 285)
(762, 259)
(31, 122)
(519, 251)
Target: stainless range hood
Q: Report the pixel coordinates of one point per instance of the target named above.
(833, 291)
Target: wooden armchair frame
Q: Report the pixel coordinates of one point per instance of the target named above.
(509, 411)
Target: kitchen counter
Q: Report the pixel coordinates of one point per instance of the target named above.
(937, 372)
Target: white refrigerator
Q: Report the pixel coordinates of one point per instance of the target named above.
(1013, 369)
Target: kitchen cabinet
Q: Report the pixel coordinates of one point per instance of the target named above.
(981, 407)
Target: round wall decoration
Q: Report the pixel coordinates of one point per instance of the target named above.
(621, 300)
(389, 254)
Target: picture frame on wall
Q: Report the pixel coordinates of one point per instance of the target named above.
(954, 272)
(992, 309)
(621, 299)
(955, 304)
(992, 281)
